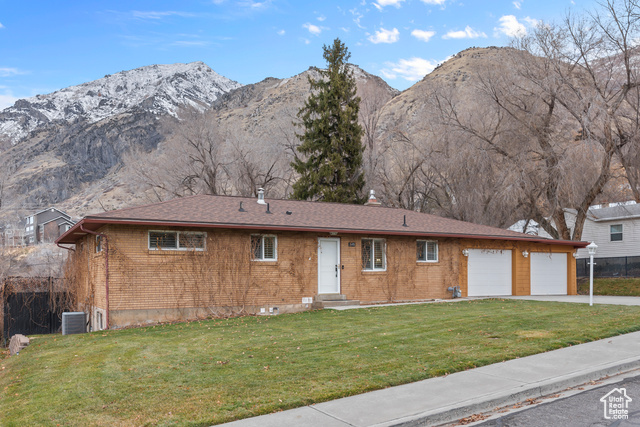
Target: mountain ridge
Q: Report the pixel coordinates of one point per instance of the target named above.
(158, 88)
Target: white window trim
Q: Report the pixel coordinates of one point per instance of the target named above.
(275, 248)
(621, 233)
(373, 239)
(425, 251)
(204, 233)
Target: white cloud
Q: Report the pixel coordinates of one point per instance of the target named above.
(313, 29)
(467, 33)
(281, 32)
(191, 43)
(412, 69)
(306, 41)
(8, 72)
(1, 26)
(385, 36)
(517, 4)
(160, 14)
(321, 18)
(434, 2)
(531, 21)
(255, 5)
(510, 26)
(425, 36)
(357, 17)
(382, 3)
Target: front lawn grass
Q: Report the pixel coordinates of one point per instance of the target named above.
(618, 286)
(207, 372)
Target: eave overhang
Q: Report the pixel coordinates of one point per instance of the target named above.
(94, 223)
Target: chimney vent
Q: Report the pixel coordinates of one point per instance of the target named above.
(372, 199)
(261, 196)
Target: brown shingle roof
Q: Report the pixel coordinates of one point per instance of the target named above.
(223, 212)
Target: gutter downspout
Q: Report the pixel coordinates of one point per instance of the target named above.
(64, 247)
(106, 266)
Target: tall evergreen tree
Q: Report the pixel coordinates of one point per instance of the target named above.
(331, 165)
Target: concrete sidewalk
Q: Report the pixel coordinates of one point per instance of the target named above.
(444, 399)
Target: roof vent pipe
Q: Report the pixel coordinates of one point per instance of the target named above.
(261, 196)
(372, 199)
(268, 211)
(404, 224)
(241, 208)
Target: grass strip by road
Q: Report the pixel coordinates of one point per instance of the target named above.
(212, 371)
(617, 286)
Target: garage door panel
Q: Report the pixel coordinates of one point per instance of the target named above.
(548, 273)
(489, 272)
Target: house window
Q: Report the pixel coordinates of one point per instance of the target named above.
(616, 233)
(98, 244)
(263, 247)
(374, 254)
(427, 251)
(187, 240)
(177, 240)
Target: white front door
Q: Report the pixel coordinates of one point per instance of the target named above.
(328, 266)
(548, 273)
(489, 272)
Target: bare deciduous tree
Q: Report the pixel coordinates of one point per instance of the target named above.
(554, 125)
(201, 156)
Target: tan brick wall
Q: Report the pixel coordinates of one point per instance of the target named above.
(224, 276)
(405, 278)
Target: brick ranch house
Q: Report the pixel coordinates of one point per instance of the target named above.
(210, 255)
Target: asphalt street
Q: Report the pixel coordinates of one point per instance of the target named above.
(581, 410)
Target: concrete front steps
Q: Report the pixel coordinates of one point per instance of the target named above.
(332, 300)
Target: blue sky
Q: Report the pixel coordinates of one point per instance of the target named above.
(48, 45)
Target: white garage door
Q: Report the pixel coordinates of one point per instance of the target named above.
(489, 272)
(548, 274)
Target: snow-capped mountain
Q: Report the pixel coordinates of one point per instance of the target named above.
(158, 89)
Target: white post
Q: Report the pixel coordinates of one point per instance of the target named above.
(591, 247)
(591, 280)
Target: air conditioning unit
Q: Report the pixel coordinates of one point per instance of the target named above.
(74, 323)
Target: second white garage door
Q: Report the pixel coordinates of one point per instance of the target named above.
(488, 272)
(548, 274)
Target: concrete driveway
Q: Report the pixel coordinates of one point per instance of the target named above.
(582, 299)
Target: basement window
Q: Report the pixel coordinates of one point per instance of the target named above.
(616, 233)
(263, 247)
(177, 240)
(427, 251)
(374, 257)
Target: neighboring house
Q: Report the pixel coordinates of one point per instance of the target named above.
(46, 226)
(211, 255)
(614, 227)
(616, 231)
